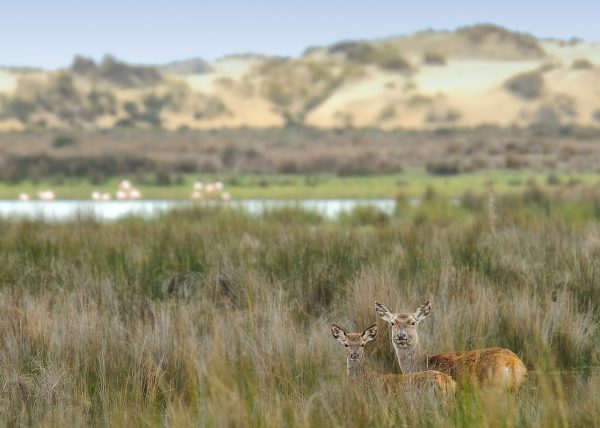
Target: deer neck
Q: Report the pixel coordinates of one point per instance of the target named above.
(411, 359)
(356, 370)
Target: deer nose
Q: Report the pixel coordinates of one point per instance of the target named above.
(354, 355)
(401, 335)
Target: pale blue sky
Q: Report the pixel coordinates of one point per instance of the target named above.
(48, 33)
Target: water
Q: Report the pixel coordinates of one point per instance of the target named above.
(113, 210)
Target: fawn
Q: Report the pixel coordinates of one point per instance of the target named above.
(355, 365)
(487, 367)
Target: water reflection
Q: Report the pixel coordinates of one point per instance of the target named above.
(112, 210)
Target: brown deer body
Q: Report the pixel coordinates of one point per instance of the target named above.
(429, 380)
(486, 367)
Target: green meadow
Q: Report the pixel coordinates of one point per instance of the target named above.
(250, 186)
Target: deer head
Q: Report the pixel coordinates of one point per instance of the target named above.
(355, 345)
(404, 325)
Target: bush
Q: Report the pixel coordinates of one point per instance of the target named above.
(514, 161)
(443, 167)
(386, 56)
(528, 85)
(391, 59)
(473, 201)
(553, 180)
(288, 166)
(367, 164)
(19, 109)
(364, 216)
(163, 178)
(362, 52)
(525, 44)
(547, 115)
(96, 177)
(63, 141)
(434, 58)
(443, 115)
(292, 215)
(387, 113)
(536, 194)
(582, 64)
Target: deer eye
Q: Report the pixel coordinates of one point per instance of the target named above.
(392, 324)
(362, 346)
(346, 345)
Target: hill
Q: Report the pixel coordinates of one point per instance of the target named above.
(473, 76)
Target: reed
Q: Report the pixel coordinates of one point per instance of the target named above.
(217, 318)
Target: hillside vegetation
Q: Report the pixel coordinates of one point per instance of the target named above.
(478, 75)
(300, 153)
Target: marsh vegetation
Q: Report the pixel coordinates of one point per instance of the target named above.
(214, 317)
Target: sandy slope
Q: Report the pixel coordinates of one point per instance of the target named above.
(472, 89)
(567, 53)
(457, 77)
(468, 90)
(8, 82)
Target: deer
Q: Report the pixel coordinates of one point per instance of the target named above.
(490, 367)
(354, 343)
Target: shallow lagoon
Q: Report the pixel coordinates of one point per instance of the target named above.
(113, 210)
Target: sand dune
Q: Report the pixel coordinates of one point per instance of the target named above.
(8, 82)
(426, 80)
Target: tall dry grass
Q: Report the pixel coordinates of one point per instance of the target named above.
(215, 318)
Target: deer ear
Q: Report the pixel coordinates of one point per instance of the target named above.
(383, 312)
(369, 334)
(338, 333)
(423, 311)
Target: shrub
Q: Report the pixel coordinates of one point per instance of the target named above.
(528, 86)
(478, 162)
(83, 66)
(20, 109)
(367, 164)
(131, 109)
(536, 194)
(525, 44)
(125, 75)
(229, 155)
(514, 161)
(472, 201)
(163, 178)
(61, 141)
(387, 113)
(101, 102)
(364, 216)
(547, 115)
(443, 115)
(434, 58)
(354, 51)
(292, 215)
(553, 179)
(96, 177)
(443, 167)
(391, 59)
(386, 56)
(582, 64)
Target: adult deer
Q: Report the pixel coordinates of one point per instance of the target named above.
(487, 367)
(429, 380)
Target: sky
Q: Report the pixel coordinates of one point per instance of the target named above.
(48, 33)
